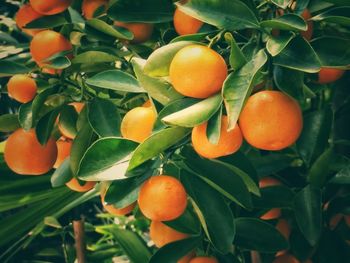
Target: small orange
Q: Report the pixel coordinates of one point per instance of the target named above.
(141, 31)
(204, 260)
(25, 155)
(274, 212)
(197, 71)
(329, 75)
(138, 123)
(271, 214)
(117, 211)
(229, 142)
(271, 120)
(162, 234)
(268, 181)
(283, 227)
(89, 7)
(310, 26)
(63, 151)
(25, 15)
(22, 88)
(162, 198)
(50, 7)
(286, 258)
(74, 185)
(185, 24)
(187, 258)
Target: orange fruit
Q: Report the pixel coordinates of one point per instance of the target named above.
(74, 185)
(204, 260)
(229, 142)
(63, 151)
(268, 181)
(271, 214)
(197, 71)
(334, 221)
(141, 31)
(89, 7)
(271, 120)
(147, 104)
(50, 7)
(25, 15)
(47, 43)
(274, 212)
(25, 155)
(329, 75)
(22, 88)
(78, 106)
(114, 210)
(185, 24)
(162, 234)
(286, 258)
(310, 26)
(283, 227)
(162, 198)
(138, 123)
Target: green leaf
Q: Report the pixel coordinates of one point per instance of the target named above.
(91, 57)
(238, 86)
(104, 117)
(286, 22)
(275, 45)
(48, 21)
(58, 63)
(195, 114)
(338, 15)
(62, 174)
(9, 122)
(228, 14)
(237, 58)
(308, 213)
(115, 80)
(274, 196)
(38, 104)
(298, 55)
(106, 159)
(214, 127)
(319, 170)
(149, 11)
(68, 120)
(109, 30)
(156, 144)
(157, 88)
(289, 81)
(218, 223)
(187, 223)
(255, 234)
(158, 63)
(332, 51)
(342, 177)
(25, 115)
(173, 252)
(45, 126)
(9, 68)
(281, 3)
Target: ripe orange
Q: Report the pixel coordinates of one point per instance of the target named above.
(187, 258)
(74, 185)
(271, 120)
(50, 7)
(271, 214)
(147, 104)
(161, 234)
(47, 43)
(286, 258)
(63, 151)
(90, 6)
(329, 75)
(162, 198)
(229, 142)
(142, 31)
(268, 181)
(274, 212)
(138, 123)
(197, 71)
(22, 88)
(25, 15)
(204, 260)
(310, 26)
(25, 155)
(185, 24)
(284, 228)
(78, 106)
(114, 210)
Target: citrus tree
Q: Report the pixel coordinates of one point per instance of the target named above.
(207, 130)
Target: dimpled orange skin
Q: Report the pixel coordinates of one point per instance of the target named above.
(271, 120)
(25, 155)
(185, 24)
(50, 7)
(47, 43)
(286, 258)
(138, 123)
(90, 6)
(74, 185)
(22, 88)
(329, 75)
(117, 211)
(78, 106)
(162, 234)
(310, 26)
(141, 31)
(229, 142)
(63, 151)
(162, 198)
(197, 71)
(25, 15)
(274, 212)
(204, 260)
